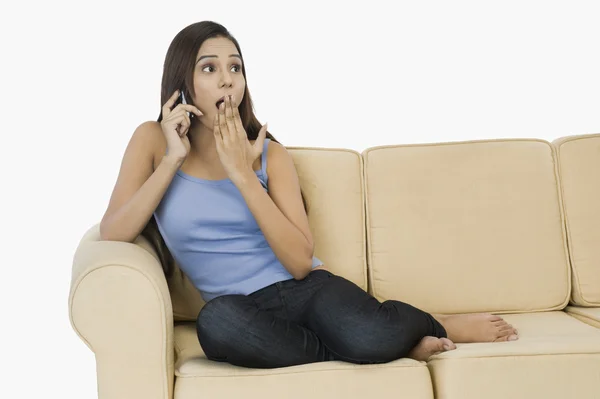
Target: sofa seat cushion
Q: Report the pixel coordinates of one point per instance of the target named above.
(556, 356)
(590, 316)
(198, 377)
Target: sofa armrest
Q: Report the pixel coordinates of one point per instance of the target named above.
(120, 306)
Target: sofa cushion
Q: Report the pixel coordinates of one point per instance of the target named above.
(590, 316)
(198, 377)
(579, 171)
(556, 356)
(467, 226)
(332, 183)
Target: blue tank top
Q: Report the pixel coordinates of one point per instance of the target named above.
(215, 239)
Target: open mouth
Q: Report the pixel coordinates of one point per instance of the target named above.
(218, 103)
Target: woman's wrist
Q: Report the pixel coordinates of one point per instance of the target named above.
(171, 162)
(243, 177)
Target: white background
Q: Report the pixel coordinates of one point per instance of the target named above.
(77, 78)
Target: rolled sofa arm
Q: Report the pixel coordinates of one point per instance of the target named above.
(120, 306)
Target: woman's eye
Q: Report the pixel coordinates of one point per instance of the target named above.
(238, 67)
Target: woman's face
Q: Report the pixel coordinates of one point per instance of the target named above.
(217, 73)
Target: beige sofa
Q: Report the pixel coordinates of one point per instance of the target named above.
(504, 226)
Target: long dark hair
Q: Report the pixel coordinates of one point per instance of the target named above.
(178, 73)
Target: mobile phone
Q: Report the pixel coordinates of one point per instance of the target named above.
(184, 102)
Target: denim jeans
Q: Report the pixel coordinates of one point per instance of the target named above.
(320, 318)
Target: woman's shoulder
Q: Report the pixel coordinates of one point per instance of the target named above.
(152, 132)
(273, 149)
(276, 151)
(278, 157)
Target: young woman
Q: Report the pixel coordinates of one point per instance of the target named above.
(225, 198)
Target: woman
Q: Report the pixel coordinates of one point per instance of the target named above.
(226, 199)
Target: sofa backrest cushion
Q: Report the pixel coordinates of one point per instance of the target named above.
(579, 171)
(467, 226)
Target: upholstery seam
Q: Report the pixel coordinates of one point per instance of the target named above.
(420, 365)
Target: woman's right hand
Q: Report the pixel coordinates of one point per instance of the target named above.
(175, 125)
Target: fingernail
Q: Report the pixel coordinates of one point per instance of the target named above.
(512, 338)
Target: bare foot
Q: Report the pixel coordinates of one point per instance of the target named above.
(477, 327)
(430, 346)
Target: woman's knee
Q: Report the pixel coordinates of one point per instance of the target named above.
(355, 325)
(337, 296)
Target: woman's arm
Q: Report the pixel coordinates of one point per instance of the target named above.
(280, 213)
(139, 188)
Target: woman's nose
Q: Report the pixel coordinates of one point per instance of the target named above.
(226, 78)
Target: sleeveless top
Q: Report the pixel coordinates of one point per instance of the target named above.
(215, 239)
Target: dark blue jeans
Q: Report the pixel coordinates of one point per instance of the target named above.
(320, 318)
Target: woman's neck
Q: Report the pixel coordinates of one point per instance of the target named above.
(202, 140)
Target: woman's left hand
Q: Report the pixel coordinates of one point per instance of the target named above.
(235, 151)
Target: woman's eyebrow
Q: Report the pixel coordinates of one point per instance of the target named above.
(215, 56)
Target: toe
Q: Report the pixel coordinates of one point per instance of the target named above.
(507, 337)
(499, 323)
(447, 344)
(505, 331)
(493, 317)
(439, 347)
